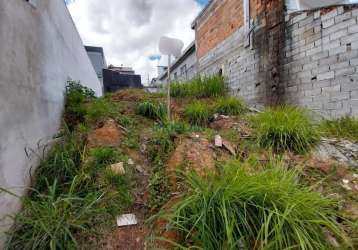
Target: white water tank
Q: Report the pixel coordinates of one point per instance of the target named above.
(295, 5)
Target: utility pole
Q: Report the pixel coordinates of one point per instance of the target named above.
(168, 87)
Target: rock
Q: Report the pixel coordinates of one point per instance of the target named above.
(140, 169)
(127, 220)
(118, 168)
(107, 134)
(130, 162)
(327, 151)
(229, 147)
(218, 141)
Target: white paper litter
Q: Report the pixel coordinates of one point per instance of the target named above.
(126, 220)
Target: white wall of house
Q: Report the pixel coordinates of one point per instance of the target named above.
(40, 49)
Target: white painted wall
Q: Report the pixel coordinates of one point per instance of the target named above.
(40, 49)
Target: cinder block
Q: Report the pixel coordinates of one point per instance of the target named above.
(329, 15)
(325, 76)
(332, 45)
(328, 23)
(345, 71)
(313, 51)
(343, 17)
(338, 34)
(353, 62)
(340, 65)
(299, 17)
(320, 55)
(353, 29)
(338, 50)
(317, 14)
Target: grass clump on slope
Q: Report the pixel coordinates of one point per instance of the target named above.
(286, 128)
(242, 209)
(345, 127)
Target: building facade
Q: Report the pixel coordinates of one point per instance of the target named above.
(40, 49)
(117, 78)
(183, 68)
(270, 56)
(96, 55)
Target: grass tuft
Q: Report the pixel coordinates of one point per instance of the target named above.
(230, 106)
(198, 113)
(200, 87)
(286, 128)
(345, 127)
(242, 209)
(152, 111)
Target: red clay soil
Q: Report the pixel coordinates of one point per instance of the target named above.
(191, 154)
(127, 95)
(107, 134)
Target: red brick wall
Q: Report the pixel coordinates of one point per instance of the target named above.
(226, 17)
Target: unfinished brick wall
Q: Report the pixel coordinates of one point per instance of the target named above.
(308, 59)
(222, 19)
(320, 61)
(252, 71)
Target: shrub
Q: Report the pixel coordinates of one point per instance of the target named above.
(76, 96)
(230, 106)
(213, 86)
(104, 156)
(285, 128)
(152, 111)
(346, 127)
(243, 209)
(197, 113)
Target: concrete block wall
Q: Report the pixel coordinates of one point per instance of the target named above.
(319, 66)
(40, 49)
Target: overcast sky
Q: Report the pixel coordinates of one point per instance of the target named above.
(129, 30)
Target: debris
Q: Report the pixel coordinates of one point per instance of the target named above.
(126, 220)
(140, 169)
(130, 162)
(345, 181)
(118, 168)
(218, 141)
(255, 110)
(229, 147)
(331, 240)
(346, 187)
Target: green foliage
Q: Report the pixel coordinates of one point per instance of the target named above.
(99, 109)
(71, 195)
(198, 113)
(160, 147)
(206, 87)
(230, 106)
(104, 156)
(178, 128)
(345, 127)
(51, 221)
(244, 209)
(152, 111)
(286, 128)
(76, 96)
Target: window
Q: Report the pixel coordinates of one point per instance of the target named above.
(175, 76)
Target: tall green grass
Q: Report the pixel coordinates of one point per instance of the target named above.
(244, 209)
(200, 87)
(151, 110)
(286, 128)
(345, 127)
(198, 113)
(230, 106)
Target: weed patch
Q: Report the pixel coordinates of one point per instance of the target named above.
(242, 209)
(152, 111)
(198, 114)
(346, 127)
(99, 110)
(213, 86)
(230, 106)
(285, 128)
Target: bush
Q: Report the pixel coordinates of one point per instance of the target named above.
(346, 127)
(285, 128)
(243, 209)
(152, 111)
(213, 86)
(198, 114)
(230, 106)
(76, 96)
